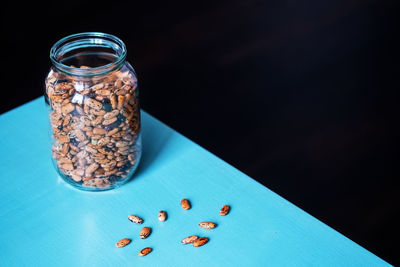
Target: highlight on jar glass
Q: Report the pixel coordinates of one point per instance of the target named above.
(93, 102)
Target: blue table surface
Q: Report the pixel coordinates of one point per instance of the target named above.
(46, 222)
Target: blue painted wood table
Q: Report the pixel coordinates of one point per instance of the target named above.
(45, 222)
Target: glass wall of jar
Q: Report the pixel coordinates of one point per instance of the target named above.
(93, 101)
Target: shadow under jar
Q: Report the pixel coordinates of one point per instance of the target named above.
(94, 111)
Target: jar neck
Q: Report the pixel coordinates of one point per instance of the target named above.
(88, 54)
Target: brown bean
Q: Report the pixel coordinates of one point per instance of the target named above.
(103, 92)
(93, 103)
(79, 135)
(68, 108)
(97, 112)
(103, 141)
(121, 100)
(145, 232)
(99, 131)
(63, 139)
(113, 131)
(200, 242)
(109, 121)
(113, 101)
(68, 166)
(62, 87)
(122, 242)
(98, 86)
(65, 161)
(76, 178)
(91, 168)
(207, 225)
(135, 219)
(224, 210)
(145, 251)
(118, 83)
(111, 114)
(162, 216)
(97, 121)
(189, 239)
(185, 204)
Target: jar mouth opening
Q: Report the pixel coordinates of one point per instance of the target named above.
(88, 54)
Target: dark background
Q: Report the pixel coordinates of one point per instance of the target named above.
(301, 96)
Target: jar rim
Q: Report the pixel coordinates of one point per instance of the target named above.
(88, 39)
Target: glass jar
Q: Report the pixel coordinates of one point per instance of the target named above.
(92, 95)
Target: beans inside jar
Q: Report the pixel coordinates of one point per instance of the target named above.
(94, 117)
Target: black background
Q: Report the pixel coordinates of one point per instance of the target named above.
(301, 96)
